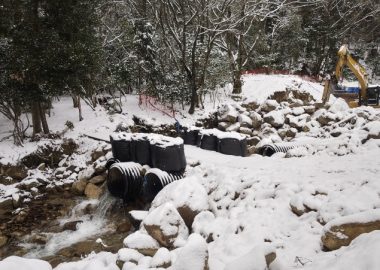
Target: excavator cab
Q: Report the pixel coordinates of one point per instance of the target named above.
(373, 95)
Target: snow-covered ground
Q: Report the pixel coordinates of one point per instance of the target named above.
(248, 197)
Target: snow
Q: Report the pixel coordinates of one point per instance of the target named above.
(221, 134)
(361, 254)
(141, 241)
(373, 128)
(100, 261)
(18, 263)
(257, 88)
(128, 254)
(161, 257)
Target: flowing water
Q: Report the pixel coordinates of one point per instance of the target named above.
(90, 225)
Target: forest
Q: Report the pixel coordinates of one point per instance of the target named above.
(175, 51)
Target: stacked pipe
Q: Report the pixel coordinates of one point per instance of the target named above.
(229, 143)
(129, 179)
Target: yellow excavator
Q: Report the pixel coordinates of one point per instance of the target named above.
(368, 95)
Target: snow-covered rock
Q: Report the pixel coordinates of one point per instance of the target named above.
(166, 226)
(142, 242)
(275, 118)
(187, 195)
(341, 231)
(162, 258)
(194, 255)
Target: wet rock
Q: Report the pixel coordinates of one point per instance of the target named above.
(71, 225)
(3, 240)
(78, 187)
(166, 226)
(92, 191)
(6, 205)
(17, 172)
(99, 179)
(6, 180)
(124, 227)
(38, 239)
(341, 231)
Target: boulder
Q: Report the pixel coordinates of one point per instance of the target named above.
(129, 255)
(298, 111)
(227, 113)
(92, 191)
(373, 129)
(256, 118)
(194, 255)
(166, 226)
(17, 172)
(233, 127)
(96, 180)
(309, 109)
(71, 225)
(189, 202)
(245, 130)
(142, 242)
(325, 118)
(6, 205)
(223, 125)
(341, 231)
(269, 105)
(275, 118)
(252, 141)
(78, 187)
(162, 259)
(245, 121)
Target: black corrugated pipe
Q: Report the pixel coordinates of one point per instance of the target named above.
(268, 150)
(155, 180)
(125, 180)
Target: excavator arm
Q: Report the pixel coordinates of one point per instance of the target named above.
(345, 59)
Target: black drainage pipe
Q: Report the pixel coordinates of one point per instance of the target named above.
(155, 180)
(125, 180)
(268, 150)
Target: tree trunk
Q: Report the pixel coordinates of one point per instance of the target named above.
(237, 82)
(79, 109)
(43, 118)
(75, 101)
(36, 118)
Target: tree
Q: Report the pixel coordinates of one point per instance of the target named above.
(53, 49)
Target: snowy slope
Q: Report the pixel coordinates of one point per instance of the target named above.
(249, 197)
